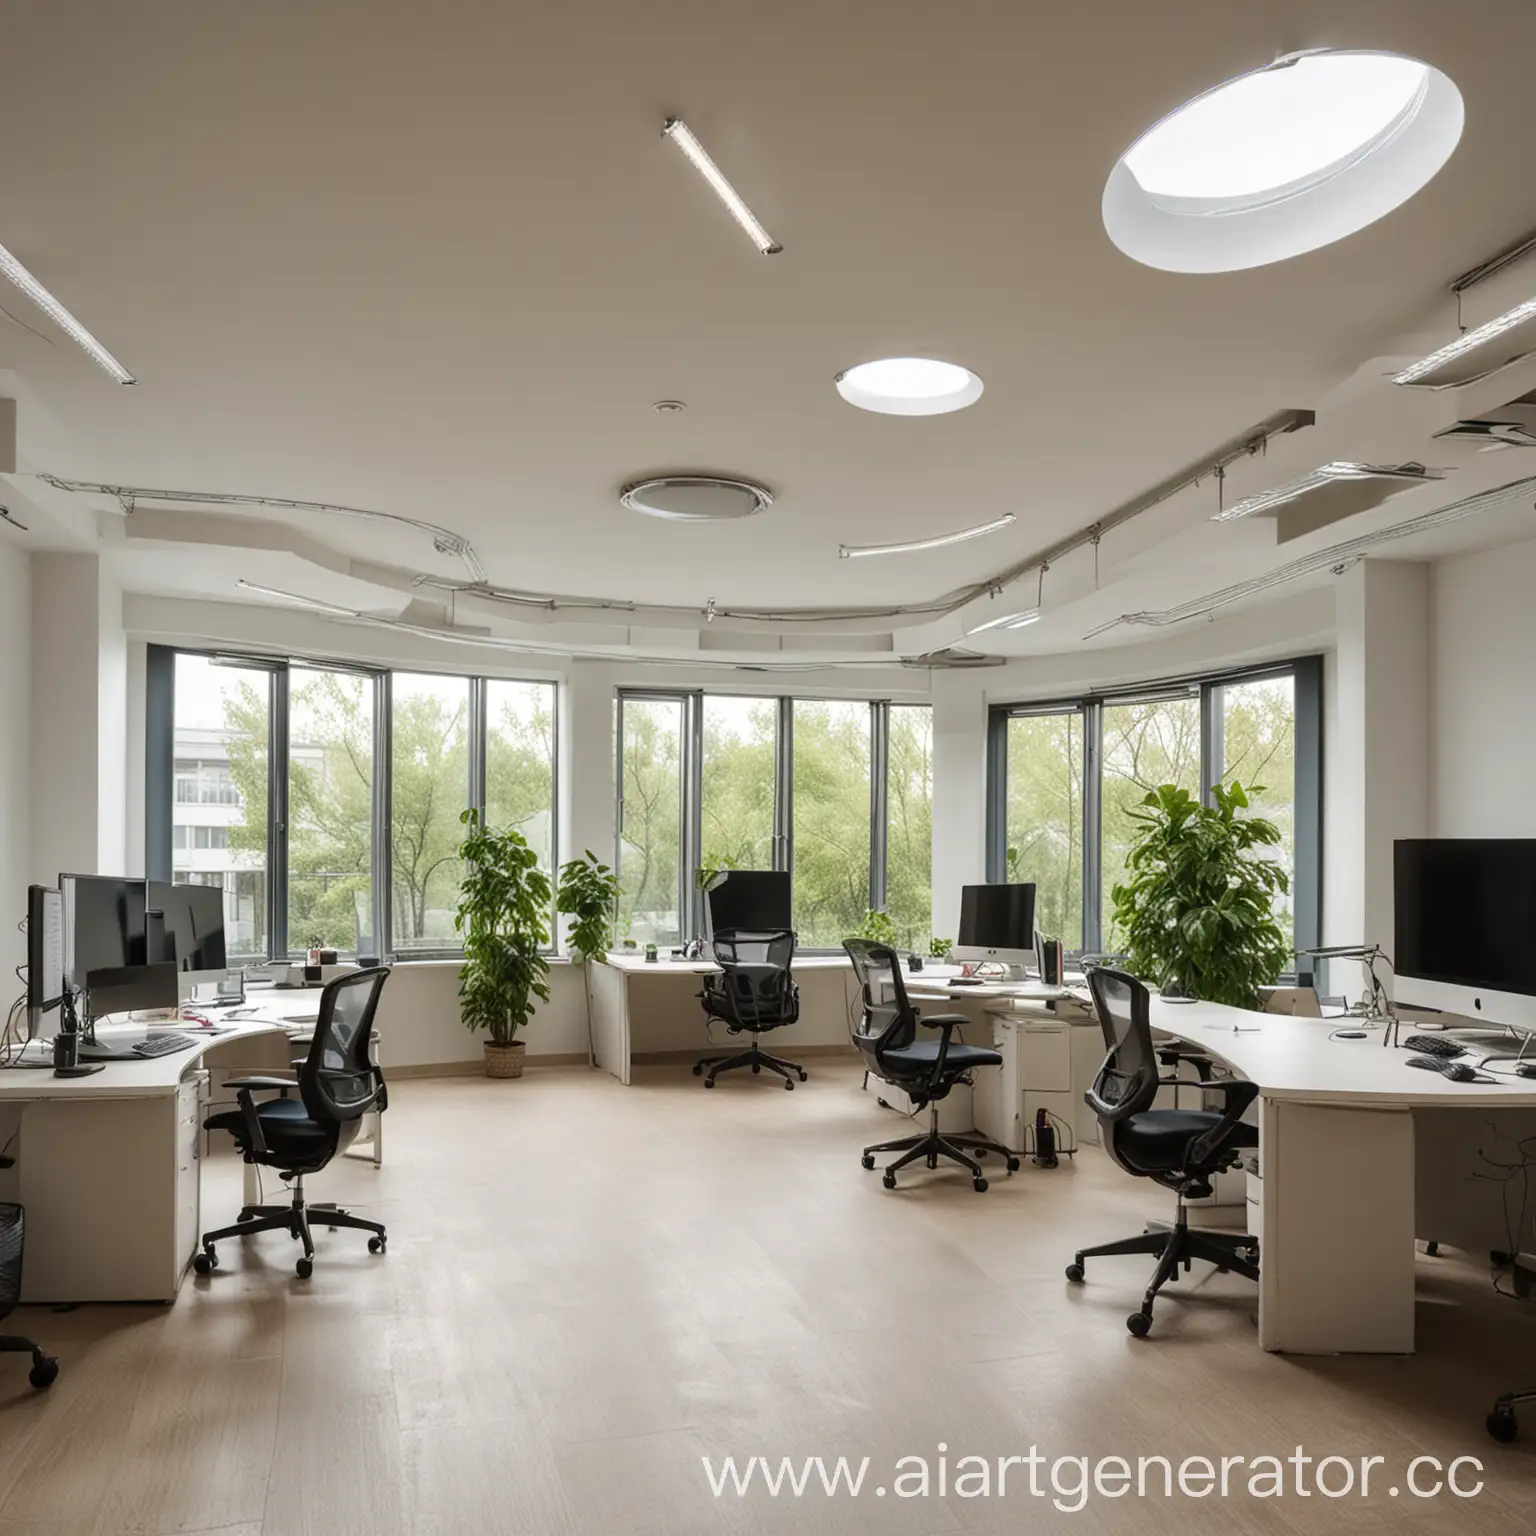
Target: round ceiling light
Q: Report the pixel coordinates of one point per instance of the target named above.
(1281, 161)
(696, 498)
(909, 386)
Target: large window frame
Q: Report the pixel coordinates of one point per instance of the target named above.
(692, 704)
(1306, 673)
(162, 768)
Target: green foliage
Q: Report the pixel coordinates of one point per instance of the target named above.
(589, 894)
(1195, 912)
(938, 948)
(504, 905)
(714, 864)
(877, 927)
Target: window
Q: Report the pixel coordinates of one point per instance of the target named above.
(429, 788)
(837, 791)
(329, 797)
(1065, 780)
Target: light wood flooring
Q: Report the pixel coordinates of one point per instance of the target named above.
(588, 1288)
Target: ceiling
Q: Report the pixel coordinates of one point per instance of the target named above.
(438, 261)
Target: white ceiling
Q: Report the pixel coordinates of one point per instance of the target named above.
(438, 261)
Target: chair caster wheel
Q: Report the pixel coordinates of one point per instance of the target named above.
(755, 1069)
(802, 1077)
(789, 1082)
(709, 1082)
(1499, 1259)
(304, 1268)
(1501, 1425)
(376, 1245)
(205, 1262)
(978, 1153)
(698, 1071)
(868, 1159)
(45, 1371)
(889, 1181)
(1013, 1165)
(979, 1185)
(1140, 1324)
(1075, 1272)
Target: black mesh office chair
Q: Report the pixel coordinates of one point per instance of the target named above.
(1181, 1149)
(751, 993)
(45, 1368)
(337, 1086)
(885, 1033)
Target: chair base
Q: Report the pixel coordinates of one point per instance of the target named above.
(1175, 1247)
(294, 1220)
(931, 1146)
(710, 1067)
(1502, 1423)
(45, 1368)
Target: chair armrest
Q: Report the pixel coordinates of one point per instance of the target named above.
(1239, 1094)
(263, 1081)
(948, 1023)
(1172, 1055)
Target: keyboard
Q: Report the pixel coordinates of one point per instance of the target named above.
(1434, 1045)
(163, 1045)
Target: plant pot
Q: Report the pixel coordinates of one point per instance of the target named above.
(504, 1060)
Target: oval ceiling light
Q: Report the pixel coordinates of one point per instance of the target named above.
(696, 498)
(1283, 160)
(909, 386)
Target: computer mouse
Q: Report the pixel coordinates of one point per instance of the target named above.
(1428, 1063)
(1460, 1072)
(1526, 1069)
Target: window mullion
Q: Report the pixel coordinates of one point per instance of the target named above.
(1093, 825)
(278, 696)
(879, 799)
(383, 815)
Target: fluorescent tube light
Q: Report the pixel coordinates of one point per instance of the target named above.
(61, 317)
(295, 597)
(1470, 341)
(1323, 475)
(687, 141)
(1009, 621)
(938, 541)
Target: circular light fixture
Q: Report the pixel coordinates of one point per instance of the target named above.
(909, 386)
(696, 498)
(1282, 160)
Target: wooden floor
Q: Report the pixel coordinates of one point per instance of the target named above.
(588, 1288)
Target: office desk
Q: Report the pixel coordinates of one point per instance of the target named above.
(1341, 1190)
(641, 1007)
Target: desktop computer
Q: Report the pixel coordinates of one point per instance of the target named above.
(997, 926)
(45, 955)
(186, 925)
(757, 900)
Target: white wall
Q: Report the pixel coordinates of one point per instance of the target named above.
(15, 743)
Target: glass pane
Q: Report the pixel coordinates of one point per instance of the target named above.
(831, 808)
(520, 762)
(1259, 749)
(429, 788)
(740, 740)
(1145, 745)
(651, 826)
(1044, 830)
(330, 811)
(909, 825)
(219, 809)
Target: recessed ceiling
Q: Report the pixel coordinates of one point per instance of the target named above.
(439, 261)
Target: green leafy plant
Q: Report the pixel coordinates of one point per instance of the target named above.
(713, 865)
(1195, 913)
(876, 927)
(503, 915)
(938, 948)
(588, 893)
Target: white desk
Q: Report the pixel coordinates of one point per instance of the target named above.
(642, 1007)
(1341, 1191)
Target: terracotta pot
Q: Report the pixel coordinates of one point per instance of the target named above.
(504, 1060)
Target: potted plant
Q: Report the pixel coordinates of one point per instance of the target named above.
(588, 894)
(503, 913)
(877, 927)
(1195, 912)
(939, 948)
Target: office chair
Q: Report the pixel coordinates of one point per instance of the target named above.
(885, 1033)
(44, 1367)
(753, 992)
(1180, 1149)
(337, 1086)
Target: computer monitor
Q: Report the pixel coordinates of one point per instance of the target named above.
(753, 899)
(1464, 913)
(189, 929)
(997, 923)
(45, 954)
(104, 924)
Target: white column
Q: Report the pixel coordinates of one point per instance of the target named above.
(15, 753)
(587, 766)
(959, 793)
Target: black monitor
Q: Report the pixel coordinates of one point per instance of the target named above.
(756, 900)
(997, 922)
(104, 924)
(189, 930)
(45, 952)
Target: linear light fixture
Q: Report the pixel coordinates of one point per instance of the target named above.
(1009, 621)
(1465, 345)
(61, 317)
(686, 140)
(1323, 476)
(938, 541)
(295, 597)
